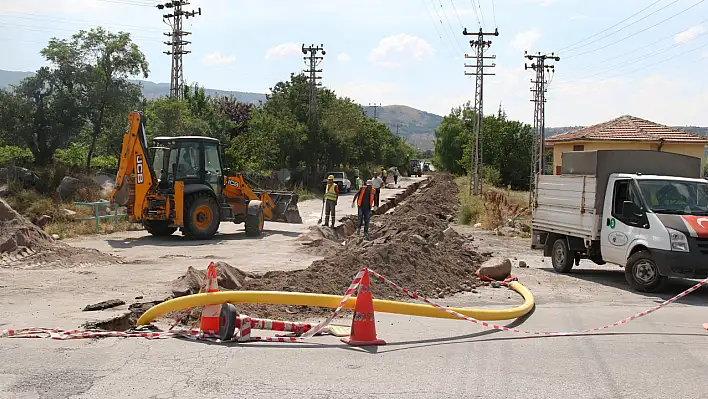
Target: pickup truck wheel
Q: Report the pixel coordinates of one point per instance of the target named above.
(561, 256)
(642, 274)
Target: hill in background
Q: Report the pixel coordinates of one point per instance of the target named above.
(416, 126)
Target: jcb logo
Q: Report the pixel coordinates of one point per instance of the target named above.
(232, 183)
(139, 168)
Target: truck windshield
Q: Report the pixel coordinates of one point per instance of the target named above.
(681, 197)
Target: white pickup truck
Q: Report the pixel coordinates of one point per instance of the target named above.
(646, 211)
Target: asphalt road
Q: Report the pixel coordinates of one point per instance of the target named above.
(662, 355)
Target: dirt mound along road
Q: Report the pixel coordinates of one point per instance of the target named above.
(413, 246)
(24, 245)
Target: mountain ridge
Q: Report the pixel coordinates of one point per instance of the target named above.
(416, 126)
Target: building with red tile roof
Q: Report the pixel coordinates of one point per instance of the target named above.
(626, 132)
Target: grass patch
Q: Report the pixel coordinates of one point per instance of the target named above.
(303, 194)
(493, 209)
(70, 229)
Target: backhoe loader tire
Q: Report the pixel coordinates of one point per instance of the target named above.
(159, 228)
(202, 217)
(255, 220)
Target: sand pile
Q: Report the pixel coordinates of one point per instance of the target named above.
(413, 246)
(26, 246)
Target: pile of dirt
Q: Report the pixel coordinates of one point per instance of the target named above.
(412, 246)
(25, 245)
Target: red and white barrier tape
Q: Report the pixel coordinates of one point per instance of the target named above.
(545, 333)
(247, 323)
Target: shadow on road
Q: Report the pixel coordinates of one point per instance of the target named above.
(615, 279)
(181, 241)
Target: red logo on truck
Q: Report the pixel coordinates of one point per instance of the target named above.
(697, 225)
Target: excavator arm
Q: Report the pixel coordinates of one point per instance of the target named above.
(135, 175)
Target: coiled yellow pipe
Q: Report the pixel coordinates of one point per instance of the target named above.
(332, 301)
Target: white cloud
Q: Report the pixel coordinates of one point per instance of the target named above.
(525, 41)
(577, 17)
(216, 59)
(689, 34)
(285, 50)
(543, 3)
(363, 91)
(343, 57)
(393, 51)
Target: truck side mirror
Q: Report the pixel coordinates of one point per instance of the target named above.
(629, 210)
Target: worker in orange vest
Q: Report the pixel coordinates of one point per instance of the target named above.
(365, 199)
(331, 196)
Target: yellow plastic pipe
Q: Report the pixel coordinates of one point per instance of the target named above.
(332, 301)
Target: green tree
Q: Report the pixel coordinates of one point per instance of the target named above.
(103, 62)
(44, 112)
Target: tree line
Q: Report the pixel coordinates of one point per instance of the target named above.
(506, 147)
(75, 110)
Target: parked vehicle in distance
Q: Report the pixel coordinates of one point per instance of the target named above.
(426, 167)
(345, 185)
(414, 167)
(646, 211)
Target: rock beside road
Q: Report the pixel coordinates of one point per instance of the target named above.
(497, 272)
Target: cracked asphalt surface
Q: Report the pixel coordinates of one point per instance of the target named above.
(663, 355)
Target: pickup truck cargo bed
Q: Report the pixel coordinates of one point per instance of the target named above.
(566, 205)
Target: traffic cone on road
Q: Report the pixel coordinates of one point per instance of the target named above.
(363, 332)
(210, 313)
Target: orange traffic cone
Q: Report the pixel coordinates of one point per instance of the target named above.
(363, 325)
(210, 313)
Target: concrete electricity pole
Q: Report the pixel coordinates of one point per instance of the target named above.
(476, 157)
(376, 107)
(539, 113)
(177, 43)
(312, 61)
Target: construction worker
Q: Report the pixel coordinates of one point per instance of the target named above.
(330, 198)
(365, 200)
(377, 183)
(395, 176)
(383, 175)
(358, 183)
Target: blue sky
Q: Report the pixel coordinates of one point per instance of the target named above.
(410, 51)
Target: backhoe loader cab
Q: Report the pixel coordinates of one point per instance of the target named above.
(181, 184)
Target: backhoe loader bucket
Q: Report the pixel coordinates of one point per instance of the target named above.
(285, 207)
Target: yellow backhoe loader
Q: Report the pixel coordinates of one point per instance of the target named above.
(180, 183)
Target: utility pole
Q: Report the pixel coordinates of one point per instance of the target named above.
(398, 125)
(177, 43)
(313, 60)
(539, 90)
(476, 157)
(375, 106)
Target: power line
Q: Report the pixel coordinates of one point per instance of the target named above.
(129, 3)
(38, 17)
(645, 56)
(449, 25)
(456, 13)
(667, 59)
(624, 54)
(638, 32)
(435, 25)
(476, 15)
(312, 61)
(606, 29)
(447, 35)
(47, 29)
(494, 13)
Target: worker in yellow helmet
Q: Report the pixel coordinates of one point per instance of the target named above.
(330, 198)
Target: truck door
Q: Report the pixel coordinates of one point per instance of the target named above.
(212, 168)
(618, 228)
